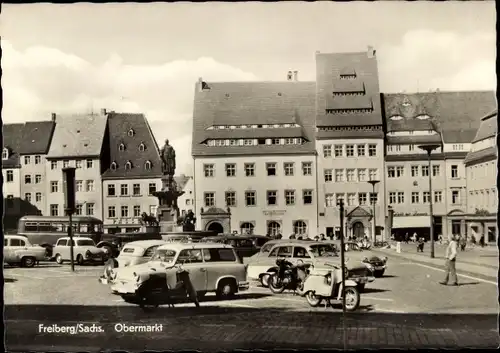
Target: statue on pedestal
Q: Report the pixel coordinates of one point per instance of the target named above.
(167, 155)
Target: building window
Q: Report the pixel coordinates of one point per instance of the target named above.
(328, 173)
(401, 197)
(27, 179)
(121, 147)
(65, 163)
(289, 168)
(79, 209)
(415, 197)
(208, 170)
(230, 169)
(131, 132)
(10, 176)
(128, 165)
(338, 198)
(372, 150)
(454, 171)
(54, 210)
(249, 169)
(349, 150)
(5, 154)
(392, 197)
(327, 151)
(124, 190)
(53, 165)
(142, 147)
(148, 165)
(351, 176)
(438, 196)
(27, 197)
(351, 199)
(38, 197)
(329, 200)
(362, 198)
(231, 199)
(124, 211)
(111, 190)
(38, 159)
(250, 199)
(290, 197)
(38, 179)
(246, 228)
(455, 197)
(399, 171)
(136, 189)
(26, 159)
(306, 168)
(391, 172)
(273, 141)
(271, 169)
(414, 171)
(425, 170)
(339, 150)
(152, 189)
(362, 174)
(411, 147)
(137, 211)
(299, 227)
(339, 175)
(373, 198)
(90, 164)
(111, 212)
(361, 150)
(79, 185)
(435, 170)
(307, 197)
(272, 197)
(90, 209)
(426, 197)
(114, 166)
(373, 174)
(78, 164)
(54, 186)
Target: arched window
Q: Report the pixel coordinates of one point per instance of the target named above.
(121, 147)
(128, 165)
(147, 165)
(131, 132)
(5, 153)
(114, 166)
(273, 228)
(300, 227)
(142, 147)
(247, 228)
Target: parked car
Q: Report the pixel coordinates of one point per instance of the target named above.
(138, 252)
(245, 245)
(266, 248)
(17, 250)
(84, 251)
(113, 243)
(212, 268)
(355, 252)
(316, 253)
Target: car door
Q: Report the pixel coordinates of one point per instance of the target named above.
(15, 245)
(222, 262)
(63, 249)
(192, 260)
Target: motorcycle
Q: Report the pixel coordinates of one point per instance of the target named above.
(326, 284)
(288, 277)
(156, 290)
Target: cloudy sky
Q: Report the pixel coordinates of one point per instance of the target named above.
(147, 58)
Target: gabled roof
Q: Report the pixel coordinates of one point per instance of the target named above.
(78, 136)
(12, 140)
(456, 114)
(488, 128)
(119, 126)
(181, 181)
(242, 103)
(329, 68)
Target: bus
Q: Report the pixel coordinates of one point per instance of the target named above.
(45, 230)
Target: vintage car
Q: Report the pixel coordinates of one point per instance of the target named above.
(308, 252)
(212, 268)
(84, 251)
(17, 250)
(186, 237)
(138, 252)
(266, 248)
(355, 252)
(113, 243)
(245, 245)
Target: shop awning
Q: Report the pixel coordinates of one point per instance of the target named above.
(411, 222)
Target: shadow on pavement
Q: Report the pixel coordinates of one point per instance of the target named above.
(10, 280)
(389, 276)
(467, 283)
(369, 290)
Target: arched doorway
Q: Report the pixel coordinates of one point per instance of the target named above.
(358, 230)
(216, 227)
(273, 228)
(247, 228)
(300, 228)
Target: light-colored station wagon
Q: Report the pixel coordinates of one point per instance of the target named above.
(17, 250)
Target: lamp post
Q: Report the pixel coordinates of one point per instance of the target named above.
(429, 149)
(374, 223)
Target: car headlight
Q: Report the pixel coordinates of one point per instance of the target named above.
(88, 254)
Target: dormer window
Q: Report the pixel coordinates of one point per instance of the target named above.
(396, 117)
(131, 132)
(142, 147)
(128, 165)
(114, 166)
(423, 117)
(5, 154)
(147, 165)
(121, 147)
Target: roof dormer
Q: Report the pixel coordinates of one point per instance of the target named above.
(114, 166)
(142, 147)
(5, 153)
(121, 147)
(131, 132)
(423, 117)
(128, 165)
(148, 165)
(396, 117)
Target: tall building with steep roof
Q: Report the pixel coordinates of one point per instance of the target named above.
(132, 174)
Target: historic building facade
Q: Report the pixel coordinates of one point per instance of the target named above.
(186, 200)
(132, 173)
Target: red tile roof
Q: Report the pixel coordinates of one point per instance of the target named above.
(119, 125)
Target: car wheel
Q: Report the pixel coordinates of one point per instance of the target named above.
(28, 261)
(59, 259)
(352, 298)
(226, 289)
(264, 280)
(379, 273)
(79, 259)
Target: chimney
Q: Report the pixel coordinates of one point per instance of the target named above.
(200, 84)
(289, 76)
(53, 116)
(371, 52)
(103, 111)
(295, 76)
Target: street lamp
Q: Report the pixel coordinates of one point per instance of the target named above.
(429, 149)
(374, 226)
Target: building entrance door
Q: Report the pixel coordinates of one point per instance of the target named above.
(358, 230)
(216, 227)
(329, 232)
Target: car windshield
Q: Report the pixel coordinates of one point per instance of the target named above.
(86, 242)
(323, 250)
(164, 255)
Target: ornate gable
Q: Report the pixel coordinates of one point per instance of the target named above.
(359, 212)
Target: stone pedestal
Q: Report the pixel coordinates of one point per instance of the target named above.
(168, 211)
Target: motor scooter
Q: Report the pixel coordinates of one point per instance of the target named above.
(326, 284)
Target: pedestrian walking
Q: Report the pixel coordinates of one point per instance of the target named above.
(451, 259)
(421, 244)
(481, 241)
(407, 238)
(463, 243)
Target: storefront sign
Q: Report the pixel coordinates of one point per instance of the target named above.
(407, 214)
(274, 213)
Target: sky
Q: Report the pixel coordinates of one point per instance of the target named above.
(147, 58)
